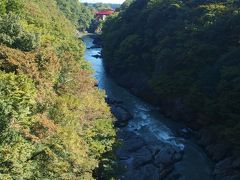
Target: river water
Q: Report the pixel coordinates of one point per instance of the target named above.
(195, 165)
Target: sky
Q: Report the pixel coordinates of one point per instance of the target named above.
(104, 1)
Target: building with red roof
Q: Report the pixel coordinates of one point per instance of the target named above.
(101, 15)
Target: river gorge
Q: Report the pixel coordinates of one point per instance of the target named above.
(154, 147)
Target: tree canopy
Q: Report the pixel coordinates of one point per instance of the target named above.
(54, 123)
(187, 53)
(79, 14)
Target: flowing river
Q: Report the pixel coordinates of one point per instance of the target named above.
(149, 123)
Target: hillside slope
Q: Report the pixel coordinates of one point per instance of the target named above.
(54, 123)
(182, 56)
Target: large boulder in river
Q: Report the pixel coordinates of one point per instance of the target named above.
(97, 56)
(131, 143)
(141, 157)
(122, 115)
(144, 158)
(165, 156)
(185, 132)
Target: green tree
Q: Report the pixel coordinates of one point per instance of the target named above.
(3, 7)
(78, 13)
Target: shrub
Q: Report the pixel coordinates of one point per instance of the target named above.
(12, 34)
(17, 99)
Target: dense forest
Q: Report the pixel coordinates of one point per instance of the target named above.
(182, 56)
(54, 122)
(80, 15)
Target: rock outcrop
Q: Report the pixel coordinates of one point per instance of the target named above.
(146, 160)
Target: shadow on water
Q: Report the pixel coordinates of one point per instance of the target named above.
(148, 122)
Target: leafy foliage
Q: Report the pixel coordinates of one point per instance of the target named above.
(187, 52)
(10, 6)
(77, 13)
(12, 34)
(54, 123)
(17, 99)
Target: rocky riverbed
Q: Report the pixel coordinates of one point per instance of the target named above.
(142, 159)
(153, 159)
(146, 159)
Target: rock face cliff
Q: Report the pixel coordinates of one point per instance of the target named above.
(184, 58)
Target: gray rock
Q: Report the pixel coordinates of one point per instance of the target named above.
(122, 115)
(134, 144)
(97, 56)
(185, 132)
(95, 47)
(165, 172)
(142, 157)
(165, 156)
(131, 144)
(178, 156)
(126, 135)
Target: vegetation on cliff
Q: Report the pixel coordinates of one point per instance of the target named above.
(79, 14)
(54, 124)
(186, 54)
